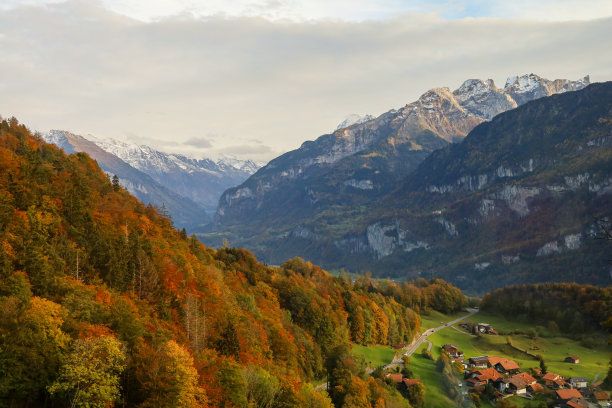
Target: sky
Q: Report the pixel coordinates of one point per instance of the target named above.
(254, 79)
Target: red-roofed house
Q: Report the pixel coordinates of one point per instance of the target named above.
(569, 394)
(535, 388)
(602, 398)
(396, 378)
(493, 360)
(572, 359)
(552, 379)
(408, 382)
(529, 380)
(575, 403)
(507, 367)
(486, 374)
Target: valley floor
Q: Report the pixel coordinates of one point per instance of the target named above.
(553, 347)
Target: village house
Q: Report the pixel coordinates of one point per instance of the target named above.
(485, 375)
(553, 380)
(479, 362)
(395, 378)
(484, 327)
(529, 380)
(451, 349)
(408, 382)
(572, 359)
(565, 395)
(508, 367)
(574, 403)
(579, 382)
(535, 388)
(602, 398)
(513, 386)
(476, 382)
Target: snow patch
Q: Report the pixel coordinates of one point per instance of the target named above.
(360, 184)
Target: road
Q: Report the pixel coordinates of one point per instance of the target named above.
(414, 346)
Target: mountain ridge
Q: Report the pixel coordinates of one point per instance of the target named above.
(360, 238)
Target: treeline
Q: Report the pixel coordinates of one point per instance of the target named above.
(570, 308)
(103, 302)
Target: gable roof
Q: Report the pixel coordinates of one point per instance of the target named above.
(517, 382)
(494, 360)
(536, 387)
(569, 393)
(411, 381)
(525, 377)
(579, 379)
(396, 378)
(601, 396)
(508, 364)
(551, 376)
(480, 359)
(486, 374)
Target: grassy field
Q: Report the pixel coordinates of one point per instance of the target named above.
(435, 319)
(425, 369)
(374, 356)
(554, 349)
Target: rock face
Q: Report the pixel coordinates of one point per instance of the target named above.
(366, 157)
(518, 194)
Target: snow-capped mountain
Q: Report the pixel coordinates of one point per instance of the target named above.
(184, 211)
(197, 182)
(337, 176)
(201, 180)
(354, 119)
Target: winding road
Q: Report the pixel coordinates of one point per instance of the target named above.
(414, 346)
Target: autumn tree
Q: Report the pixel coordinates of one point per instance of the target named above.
(168, 378)
(90, 375)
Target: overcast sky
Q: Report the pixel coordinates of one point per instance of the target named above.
(254, 79)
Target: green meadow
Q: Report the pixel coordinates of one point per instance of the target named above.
(553, 347)
(374, 356)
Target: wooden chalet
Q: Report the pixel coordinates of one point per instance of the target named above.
(572, 359)
(479, 362)
(509, 367)
(529, 380)
(553, 380)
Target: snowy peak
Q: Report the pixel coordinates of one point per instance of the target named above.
(354, 119)
(526, 88)
(483, 99)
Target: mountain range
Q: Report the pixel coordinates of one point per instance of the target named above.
(378, 195)
(188, 188)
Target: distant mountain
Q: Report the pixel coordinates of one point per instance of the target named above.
(201, 180)
(184, 212)
(329, 181)
(515, 202)
(189, 188)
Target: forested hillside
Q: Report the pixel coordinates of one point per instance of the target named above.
(103, 302)
(569, 307)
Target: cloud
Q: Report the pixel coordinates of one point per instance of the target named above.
(246, 150)
(199, 142)
(79, 67)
